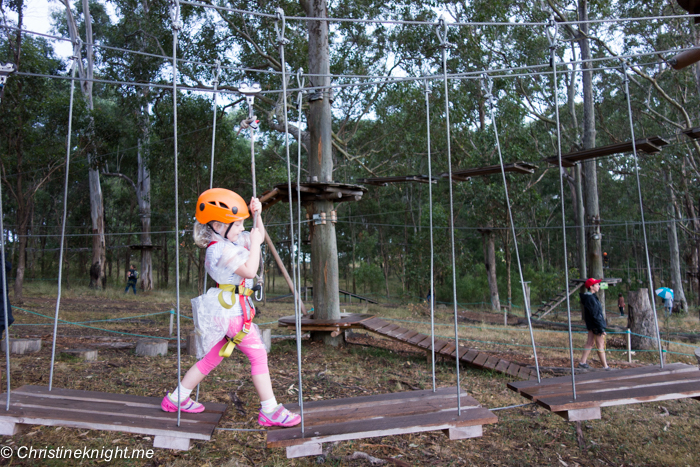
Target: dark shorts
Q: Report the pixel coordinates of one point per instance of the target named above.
(597, 332)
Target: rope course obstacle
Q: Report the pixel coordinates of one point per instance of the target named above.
(437, 409)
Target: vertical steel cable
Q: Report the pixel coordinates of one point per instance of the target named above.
(217, 73)
(281, 41)
(444, 45)
(552, 31)
(76, 57)
(11, 68)
(487, 86)
(427, 91)
(175, 18)
(641, 210)
(297, 322)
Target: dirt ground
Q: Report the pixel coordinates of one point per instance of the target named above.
(659, 433)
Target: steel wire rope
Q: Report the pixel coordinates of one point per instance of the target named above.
(76, 57)
(176, 26)
(382, 79)
(641, 210)
(432, 246)
(3, 275)
(429, 23)
(281, 42)
(297, 316)
(552, 37)
(215, 81)
(487, 86)
(444, 45)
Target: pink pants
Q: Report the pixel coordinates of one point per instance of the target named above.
(252, 346)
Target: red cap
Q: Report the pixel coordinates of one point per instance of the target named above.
(591, 282)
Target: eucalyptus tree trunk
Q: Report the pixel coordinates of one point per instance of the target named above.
(693, 262)
(676, 278)
(143, 194)
(99, 248)
(324, 248)
(595, 256)
(490, 263)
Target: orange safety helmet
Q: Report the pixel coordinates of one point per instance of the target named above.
(222, 205)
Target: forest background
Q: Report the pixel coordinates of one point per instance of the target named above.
(121, 178)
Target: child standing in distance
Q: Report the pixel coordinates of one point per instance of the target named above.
(621, 304)
(223, 315)
(595, 323)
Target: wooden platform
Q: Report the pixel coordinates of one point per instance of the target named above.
(36, 405)
(607, 388)
(381, 415)
(335, 326)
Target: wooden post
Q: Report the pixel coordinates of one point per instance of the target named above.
(192, 343)
(89, 355)
(629, 345)
(280, 265)
(697, 355)
(151, 347)
(171, 323)
(23, 346)
(266, 336)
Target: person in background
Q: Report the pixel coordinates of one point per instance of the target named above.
(668, 305)
(595, 323)
(132, 275)
(621, 304)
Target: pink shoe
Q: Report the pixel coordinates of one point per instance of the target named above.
(188, 405)
(279, 417)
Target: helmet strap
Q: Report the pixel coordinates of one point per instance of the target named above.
(227, 231)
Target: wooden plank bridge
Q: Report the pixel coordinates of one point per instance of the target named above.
(443, 348)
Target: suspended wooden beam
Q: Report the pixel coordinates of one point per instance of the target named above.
(313, 191)
(692, 133)
(685, 58)
(650, 145)
(515, 167)
(384, 181)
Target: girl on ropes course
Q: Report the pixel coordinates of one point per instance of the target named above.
(224, 314)
(595, 323)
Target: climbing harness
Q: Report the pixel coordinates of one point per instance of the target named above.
(444, 45)
(487, 86)
(243, 293)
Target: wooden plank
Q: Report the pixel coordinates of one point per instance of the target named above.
(524, 373)
(428, 344)
(416, 339)
(580, 415)
(74, 419)
(449, 349)
(397, 332)
(491, 362)
(513, 369)
(613, 385)
(617, 374)
(358, 412)
(502, 366)
(376, 400)
(373, 324)
(623, 397)
(480, 359)
(407, 336)
(379, 427)
(387, 329)
(99, 409)
(469, 356)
